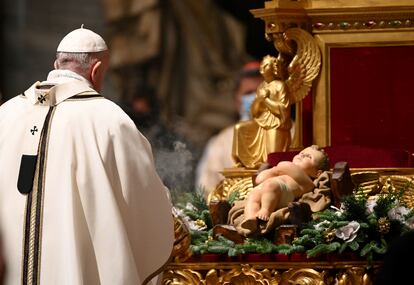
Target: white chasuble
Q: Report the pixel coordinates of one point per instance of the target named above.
(80, 200)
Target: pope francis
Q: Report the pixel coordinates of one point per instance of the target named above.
(80, 200)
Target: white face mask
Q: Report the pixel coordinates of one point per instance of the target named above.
(246, 102)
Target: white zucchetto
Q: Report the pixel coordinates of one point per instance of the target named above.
(82, 40)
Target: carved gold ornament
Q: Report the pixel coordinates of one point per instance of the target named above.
(229, 273)
(305, 65)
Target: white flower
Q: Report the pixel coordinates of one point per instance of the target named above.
(180, 214)
(320, 225)
(398, 213)
(370, 206)
(349, 232)
(190, 207)
(340, 211)
(177, 212)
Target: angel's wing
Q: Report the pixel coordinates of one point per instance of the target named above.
(304, 66)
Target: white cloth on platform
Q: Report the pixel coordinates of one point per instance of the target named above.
(103, 214)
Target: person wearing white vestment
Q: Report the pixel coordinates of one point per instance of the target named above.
(80, 200)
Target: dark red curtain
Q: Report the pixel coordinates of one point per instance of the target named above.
(372, 96)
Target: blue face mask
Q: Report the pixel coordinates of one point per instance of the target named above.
(246, 102)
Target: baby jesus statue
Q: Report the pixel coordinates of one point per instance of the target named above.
(282, 184)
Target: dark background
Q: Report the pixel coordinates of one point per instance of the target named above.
(31, 30)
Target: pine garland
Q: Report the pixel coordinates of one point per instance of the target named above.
(367, 232)
(323, 248)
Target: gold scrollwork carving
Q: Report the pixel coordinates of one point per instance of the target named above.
(396, 183)
(353, 276)
(366, 182)
(182, 241)
(242, 186)
(244, 275)
(303, 276)
(372, 183)
(271, 274)
(235, 181)
(182, 277)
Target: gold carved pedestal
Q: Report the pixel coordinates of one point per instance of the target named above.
(271, 273)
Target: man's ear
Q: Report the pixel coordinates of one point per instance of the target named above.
(96, 73)
(96, 68)
(55, 64)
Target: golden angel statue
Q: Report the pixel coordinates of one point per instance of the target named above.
(285, 83)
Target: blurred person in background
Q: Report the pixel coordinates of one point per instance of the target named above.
(217, 154)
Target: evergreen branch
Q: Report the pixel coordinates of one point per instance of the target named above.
(323, 248)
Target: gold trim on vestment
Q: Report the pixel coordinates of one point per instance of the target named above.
(32, 233)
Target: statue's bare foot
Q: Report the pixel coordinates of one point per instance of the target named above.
(263, 215)
(248, 227)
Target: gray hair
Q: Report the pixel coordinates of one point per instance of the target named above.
(78, 62)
